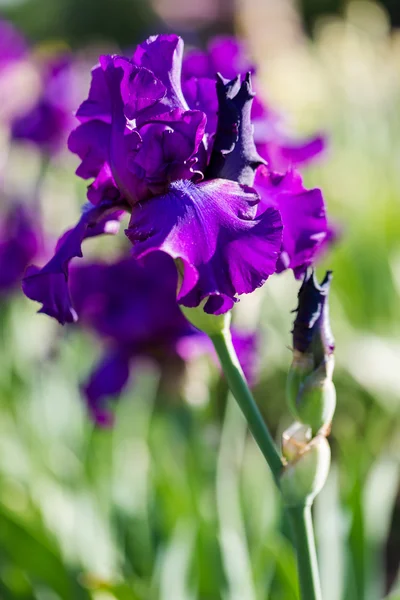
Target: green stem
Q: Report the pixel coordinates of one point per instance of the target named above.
(303, 534)
(300, 517)
(239, 388)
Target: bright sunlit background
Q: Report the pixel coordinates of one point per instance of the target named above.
(175, 502)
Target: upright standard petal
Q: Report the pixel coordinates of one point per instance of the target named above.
(98, 103)
(49, 285)
(303, 216)
(162, 55)
(200, 93)
(210, 229)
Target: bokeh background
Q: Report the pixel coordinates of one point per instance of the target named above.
(174, 502)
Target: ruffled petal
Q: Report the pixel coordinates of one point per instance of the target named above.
(49, 285)
(212, 230)
(144, 161)
(90, 141)
(162, 55)
(105, 383)
(98, 103)
(167, 152)
(140, 89)
(104, 188)
(303, 216)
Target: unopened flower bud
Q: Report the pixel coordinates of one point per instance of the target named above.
(310, 391)
(305, 476)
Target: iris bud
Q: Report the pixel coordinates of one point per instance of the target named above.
(305, 474)
(310, 391)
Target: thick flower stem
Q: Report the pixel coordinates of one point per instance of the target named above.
(303, 537)
(239, 388)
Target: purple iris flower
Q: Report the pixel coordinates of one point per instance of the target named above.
(146, 150)
(197, 190)
(49, 121)
(20, 242)
(131, 305)
(228, 55)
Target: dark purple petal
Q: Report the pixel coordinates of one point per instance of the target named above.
(106, 383)
(229, 57)
(197, 64)
(98, 104)
(90, 141)
(303, 217)
(212, 230)
(201, 94)
(124, 143)
(234, 155)
(162, 55)
(140, 89)
(225, 54)
(143, 161)
(49, 285)
(121, 302)
(103, 188)
(167, 152)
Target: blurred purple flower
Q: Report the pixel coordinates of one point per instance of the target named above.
(228, 56)
(49, 121)
(20, 242)
(132, 306)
